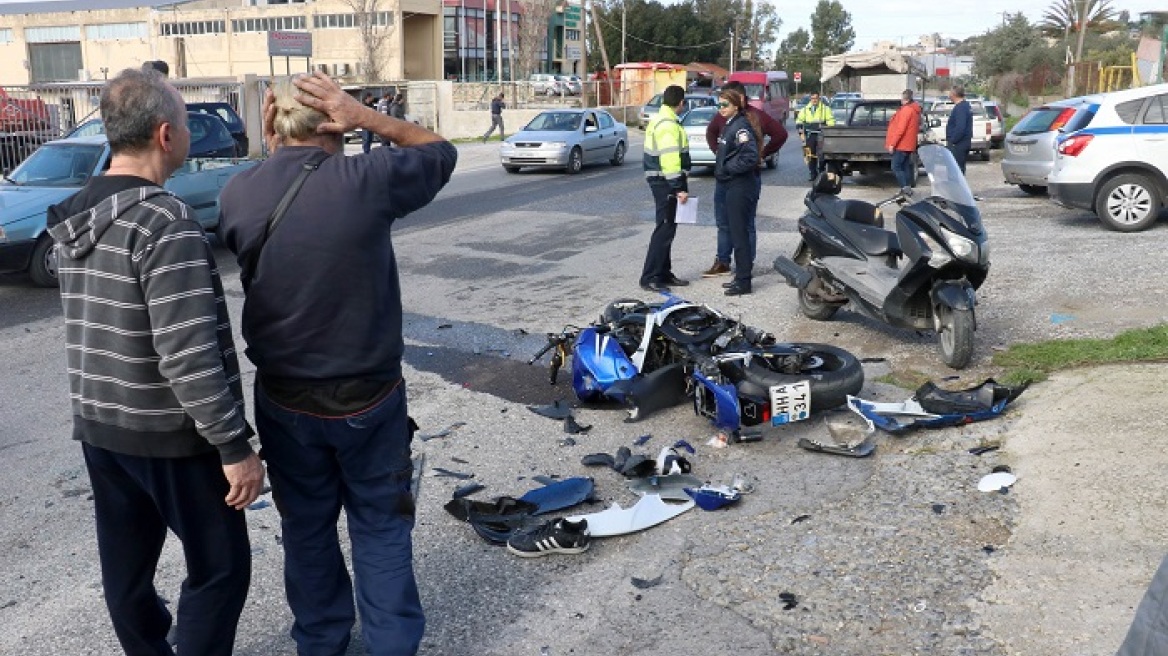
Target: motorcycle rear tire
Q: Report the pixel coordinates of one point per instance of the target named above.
(836, 374)
(817, 310)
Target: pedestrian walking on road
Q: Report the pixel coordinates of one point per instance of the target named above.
(366, 135)
(666, 160)
(810, 123)
(497, 107)
(903, 133)
(775, 135)
(735, 169)
(154, 381)
(959, 127)
(325, 334)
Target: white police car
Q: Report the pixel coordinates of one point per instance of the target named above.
(1115, 164)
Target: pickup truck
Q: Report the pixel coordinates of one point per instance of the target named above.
(60, 169)
(858, 144)
(25, 124)
(983, 125)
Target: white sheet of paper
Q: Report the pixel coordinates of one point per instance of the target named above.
(687, 212)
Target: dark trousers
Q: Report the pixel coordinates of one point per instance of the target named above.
(318, 465)
(960, 152)
(902, 165)
(725, 245)
(496, 122)
(741, 204)
(658, 264)
(136, 500)
(815, 164)
(366, 141)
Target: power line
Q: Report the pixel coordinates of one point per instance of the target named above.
(661, 45)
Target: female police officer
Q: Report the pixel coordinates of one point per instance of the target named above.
(737, 159)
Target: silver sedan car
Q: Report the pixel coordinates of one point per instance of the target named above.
(1030, 146)
(566, 139)
(695, 122)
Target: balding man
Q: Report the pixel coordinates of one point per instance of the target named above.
(154, 381)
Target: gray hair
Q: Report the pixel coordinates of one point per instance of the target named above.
(134, 104)
(907, 94)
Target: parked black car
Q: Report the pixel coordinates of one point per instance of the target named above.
(209, 137)
(229, 117)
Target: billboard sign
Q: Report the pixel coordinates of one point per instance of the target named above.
(289, 44)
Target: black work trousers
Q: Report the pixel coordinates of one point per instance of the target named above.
(658, 263)
(741, 203)
(136, 500)
(815, 163)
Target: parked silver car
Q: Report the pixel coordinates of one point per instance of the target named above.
(692, 100)
(546, 84)
(694, 122)
(571, 84)
(566, 139)
(1030, 146)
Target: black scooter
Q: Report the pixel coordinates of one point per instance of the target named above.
(921, 276)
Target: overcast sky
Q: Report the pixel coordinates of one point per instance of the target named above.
(907, 20)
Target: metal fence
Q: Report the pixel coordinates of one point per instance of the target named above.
(32, 115)
(536, 95)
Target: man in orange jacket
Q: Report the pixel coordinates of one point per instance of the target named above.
(901, 141)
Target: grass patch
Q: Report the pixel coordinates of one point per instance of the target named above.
(1035, 361)
(1010, 122)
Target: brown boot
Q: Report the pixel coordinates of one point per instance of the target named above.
(720, 268)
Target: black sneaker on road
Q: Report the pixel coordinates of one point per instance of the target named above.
(556, 536)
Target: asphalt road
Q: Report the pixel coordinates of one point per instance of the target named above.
(497, 260)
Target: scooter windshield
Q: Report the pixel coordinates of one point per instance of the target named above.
(947, 179)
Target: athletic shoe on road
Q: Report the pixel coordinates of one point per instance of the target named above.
(555, 536)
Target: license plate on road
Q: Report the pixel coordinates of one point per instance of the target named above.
(1019, 149)
(790, 403)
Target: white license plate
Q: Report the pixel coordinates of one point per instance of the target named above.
(1019, 149)
(790, 403)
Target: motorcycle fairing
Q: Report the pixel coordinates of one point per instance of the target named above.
(932, 407)
(598, 362)
(717, 402)
(652, 320)
(645, 394)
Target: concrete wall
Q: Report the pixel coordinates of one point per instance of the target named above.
(472, 123)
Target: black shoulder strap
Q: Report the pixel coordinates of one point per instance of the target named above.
(313, 163)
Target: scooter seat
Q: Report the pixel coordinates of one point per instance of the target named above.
(856, 211)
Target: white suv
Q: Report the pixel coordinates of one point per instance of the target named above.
(1116, 163)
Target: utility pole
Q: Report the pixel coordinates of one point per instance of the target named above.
(624, 28)
(510, 51)
(732, 55)
(604, 54)
(499, 43)
(462, 40)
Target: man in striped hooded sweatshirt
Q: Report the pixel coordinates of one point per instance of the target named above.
(154, 381)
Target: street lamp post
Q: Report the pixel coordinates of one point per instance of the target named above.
(732, 57)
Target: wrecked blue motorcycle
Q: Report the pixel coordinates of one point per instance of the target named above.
(649, 356)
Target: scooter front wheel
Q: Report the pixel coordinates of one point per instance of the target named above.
(815, 309)
(956, 337)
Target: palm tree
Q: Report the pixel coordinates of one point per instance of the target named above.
(1063, 16)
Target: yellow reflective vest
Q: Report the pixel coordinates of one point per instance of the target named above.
(821, 114)
(666, 148)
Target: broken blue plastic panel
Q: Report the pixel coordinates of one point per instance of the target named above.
(598, 361)
(710, 497)
(559, 495)
(728, 414)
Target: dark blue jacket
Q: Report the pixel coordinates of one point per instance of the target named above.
(497, 106)
(959, 129)
(737, 150)
(325, 302)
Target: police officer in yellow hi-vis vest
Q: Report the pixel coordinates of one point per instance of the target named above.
(666, 160)
(809, 122)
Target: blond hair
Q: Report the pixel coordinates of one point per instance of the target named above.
(294, 120)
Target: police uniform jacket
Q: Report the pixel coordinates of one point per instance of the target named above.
(666, 150)
(738, 153)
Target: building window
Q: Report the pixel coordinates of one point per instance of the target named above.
(6, 35)
(55, 62)
(571, 35)
(52, 34)
(348, 21)
(110, 31)
(273, 24)
(194, 28)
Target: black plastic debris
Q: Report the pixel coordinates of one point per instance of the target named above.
(496, 520)
(644, 584)
(444, 326)
(598, 460)
(546, 480)
(639, 466)
(556, 410)
(567, 441)
(442, 471)
(989, 549)
(939, 508)
(459, 460)
(1000, 469)
(640, 441)
(445, 432)
(468, 489)
(982, 450)
(622, 456)
(571, 427)
(800, 518)
(790, 601)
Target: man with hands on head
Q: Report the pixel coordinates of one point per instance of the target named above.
(323, 323)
